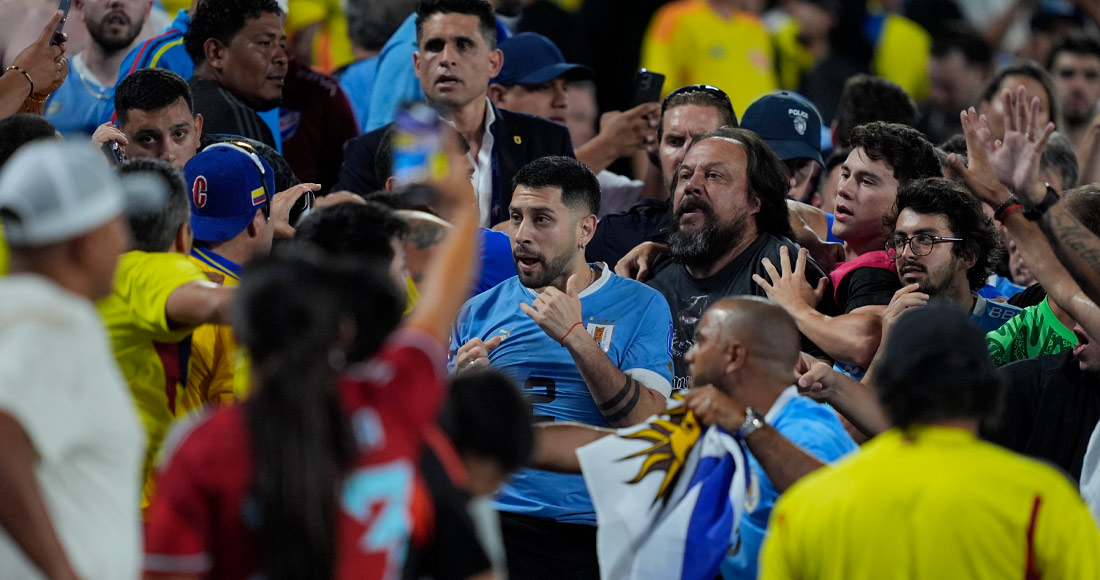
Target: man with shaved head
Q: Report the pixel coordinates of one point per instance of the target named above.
(745, 353)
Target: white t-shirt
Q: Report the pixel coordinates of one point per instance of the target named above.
(1090, 475)
(59, 379)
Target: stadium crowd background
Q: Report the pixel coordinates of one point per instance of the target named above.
(851, 245)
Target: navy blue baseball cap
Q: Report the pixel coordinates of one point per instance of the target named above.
(533, 59)
(229, 182)
(788, 122)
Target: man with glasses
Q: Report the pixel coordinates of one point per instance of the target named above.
(944, 246)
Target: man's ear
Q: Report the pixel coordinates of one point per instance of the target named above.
(256, 226)
(737, 355)
(416, 64)
(969, 256)
(184, 239)
(496, 60)
(496, 94)
(198, 126)
(586, 229)
(213, 52)
(391, 183)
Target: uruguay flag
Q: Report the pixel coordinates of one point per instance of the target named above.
(668, 497)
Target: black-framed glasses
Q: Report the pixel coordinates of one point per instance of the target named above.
(920, 244)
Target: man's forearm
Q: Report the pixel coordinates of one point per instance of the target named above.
(1050, 273)
(597, 154)
(850, 338)
(556, 445)
(1077, 248)
(622, 399)
(23, 512)
(783, 461)
(857, 403)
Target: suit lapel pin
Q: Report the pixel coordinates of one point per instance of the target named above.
(517, 139)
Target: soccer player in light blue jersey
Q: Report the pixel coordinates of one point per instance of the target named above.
(585, 345)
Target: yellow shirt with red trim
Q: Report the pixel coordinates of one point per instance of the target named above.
(932, 503)
(213, 347)
(689, 42)
(151, 352)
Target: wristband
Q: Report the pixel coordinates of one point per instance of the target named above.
(1001, 209)
(568, 331)
(20, 69)
(1048, 202)
(1009, 211)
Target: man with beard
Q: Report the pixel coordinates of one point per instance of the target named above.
(85, 99)
(729, 213)
(944, 246)
(585, 344)
(1074, 64)
(239, 50)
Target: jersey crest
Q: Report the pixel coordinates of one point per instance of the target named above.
(601, 333)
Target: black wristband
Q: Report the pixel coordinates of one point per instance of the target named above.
(1034, 213)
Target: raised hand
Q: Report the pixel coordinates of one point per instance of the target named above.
(788, 287)
(1015, 161)
(978, 175)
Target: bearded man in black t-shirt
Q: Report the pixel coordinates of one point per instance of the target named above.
(729, 213)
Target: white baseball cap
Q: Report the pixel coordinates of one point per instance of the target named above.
(51, 191)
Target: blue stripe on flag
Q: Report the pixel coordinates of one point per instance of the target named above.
(711, 525)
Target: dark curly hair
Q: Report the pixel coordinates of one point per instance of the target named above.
(222, 19)
(903, 148)
(965, 217)
(1031, 69)
(767, 177)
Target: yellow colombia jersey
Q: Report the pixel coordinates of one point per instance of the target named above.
(152, 355)
(213, 348)
(933, 504)
(689, 43)
(5, 262)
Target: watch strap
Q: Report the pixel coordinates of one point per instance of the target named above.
(1034, 213)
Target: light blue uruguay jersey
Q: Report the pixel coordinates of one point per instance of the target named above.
(632, 324)
(990, 315)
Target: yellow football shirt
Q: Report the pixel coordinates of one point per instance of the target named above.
(151, 352)
(929, 504)
(213, 346)
(331, 44)
(689, 43)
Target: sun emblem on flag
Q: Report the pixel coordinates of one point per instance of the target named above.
(672, 437)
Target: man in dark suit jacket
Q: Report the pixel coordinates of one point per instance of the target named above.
(456, 57)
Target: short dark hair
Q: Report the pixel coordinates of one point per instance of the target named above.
(579, 187)
(766, 179)
(18, 130)
(1058, 156)
(222, 20)
(903, 148)
(867, 98)
(480, 8)
(154, 231)
(954, 144)
(702, 97)
(959, 36)
(371, 23)
(353, 229)
(1073, 43)
(1083, 203)
(485, 416)
(925, 380)
(965, 217)
(150, 89)
(1025, 68)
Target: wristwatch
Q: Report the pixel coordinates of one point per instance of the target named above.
(753, 421)
(1034, 213)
